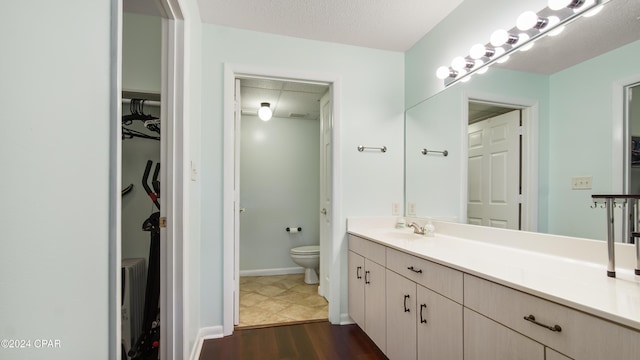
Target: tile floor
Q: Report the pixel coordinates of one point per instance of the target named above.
(279, 299)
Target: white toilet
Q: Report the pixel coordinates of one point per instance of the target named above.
(309, 258)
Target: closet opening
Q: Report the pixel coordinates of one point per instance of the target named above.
(148, 202)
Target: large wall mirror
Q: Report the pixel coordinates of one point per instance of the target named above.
(571, 97)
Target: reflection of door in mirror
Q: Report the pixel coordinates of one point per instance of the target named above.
(633, 118)
(494, 158)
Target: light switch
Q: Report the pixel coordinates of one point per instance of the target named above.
(395, 209)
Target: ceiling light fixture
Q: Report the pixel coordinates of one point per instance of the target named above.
(264, 113)
(530, 26)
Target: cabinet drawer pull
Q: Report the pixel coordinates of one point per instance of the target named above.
(366, 277)
(419, 271)
(422, 320)
(406, 309)
(358, 276)
(532, 319)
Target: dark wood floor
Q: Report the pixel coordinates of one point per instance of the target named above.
(317, 340)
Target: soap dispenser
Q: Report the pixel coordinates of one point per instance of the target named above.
(429, 229)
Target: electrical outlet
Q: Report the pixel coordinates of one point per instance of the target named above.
(411, 211)
(581, 183)
(395, 209)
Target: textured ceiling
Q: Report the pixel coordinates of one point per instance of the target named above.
(381, 24)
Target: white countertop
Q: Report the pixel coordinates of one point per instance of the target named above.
(535, 264)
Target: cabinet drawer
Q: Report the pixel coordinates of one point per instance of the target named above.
(581, 336)
(368, 249)
(441, 279)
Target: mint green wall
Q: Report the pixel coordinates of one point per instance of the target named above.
(55, 158)
(433, 182)
(371, 114)
(141, 45)
(471, 22)
(279, 187)
(581, 138)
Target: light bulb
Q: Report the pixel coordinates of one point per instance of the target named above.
(586, 5)
(477, 51)
(503, 59)
(459, 63)
(527, 20)
(523, 38)
(528, 46)
(461, 73)
(556, 31)
(593, 11)
(466, 79)
(499, 37)
(443, 72)
(558, 4)
(264, 113)
(483, 70)
(551, 22)
(499, 51)
(478, 63)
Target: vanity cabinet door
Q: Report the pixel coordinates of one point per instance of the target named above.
(374, 303)
(439, 327)
(401, 317)
(486, 339)
(356, 288)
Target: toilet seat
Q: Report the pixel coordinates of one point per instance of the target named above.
(306, 250)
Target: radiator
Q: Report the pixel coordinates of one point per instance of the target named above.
(133, 289)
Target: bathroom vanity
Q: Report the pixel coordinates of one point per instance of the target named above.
(483, 293)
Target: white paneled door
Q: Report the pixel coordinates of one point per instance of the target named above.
(494, 172)
(326, 128)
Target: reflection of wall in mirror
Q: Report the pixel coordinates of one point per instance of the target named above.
(634, 126)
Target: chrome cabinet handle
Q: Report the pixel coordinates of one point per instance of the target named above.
(422, 307)
(358, 276)
(406, 309)
(554, 328)
(366, 277)
(419, 271)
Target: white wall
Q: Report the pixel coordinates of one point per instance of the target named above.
(279, 187)
(371, 114)
(54, 154)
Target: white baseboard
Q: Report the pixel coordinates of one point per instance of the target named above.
(270, 272)
(345, 319)
(212, 332)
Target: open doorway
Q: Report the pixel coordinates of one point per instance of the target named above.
(280, 191)
(501, 180)
(167, 105)
(324, 209)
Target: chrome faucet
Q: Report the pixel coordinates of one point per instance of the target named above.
(417, 229)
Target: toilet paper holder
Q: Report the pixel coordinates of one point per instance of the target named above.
(294, 229)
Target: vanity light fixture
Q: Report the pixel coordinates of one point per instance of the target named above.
(530, 26)
(264, 113)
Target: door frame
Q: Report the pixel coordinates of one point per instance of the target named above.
(620, 155)
(529, 154)
(230, 250)
(174, 149)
